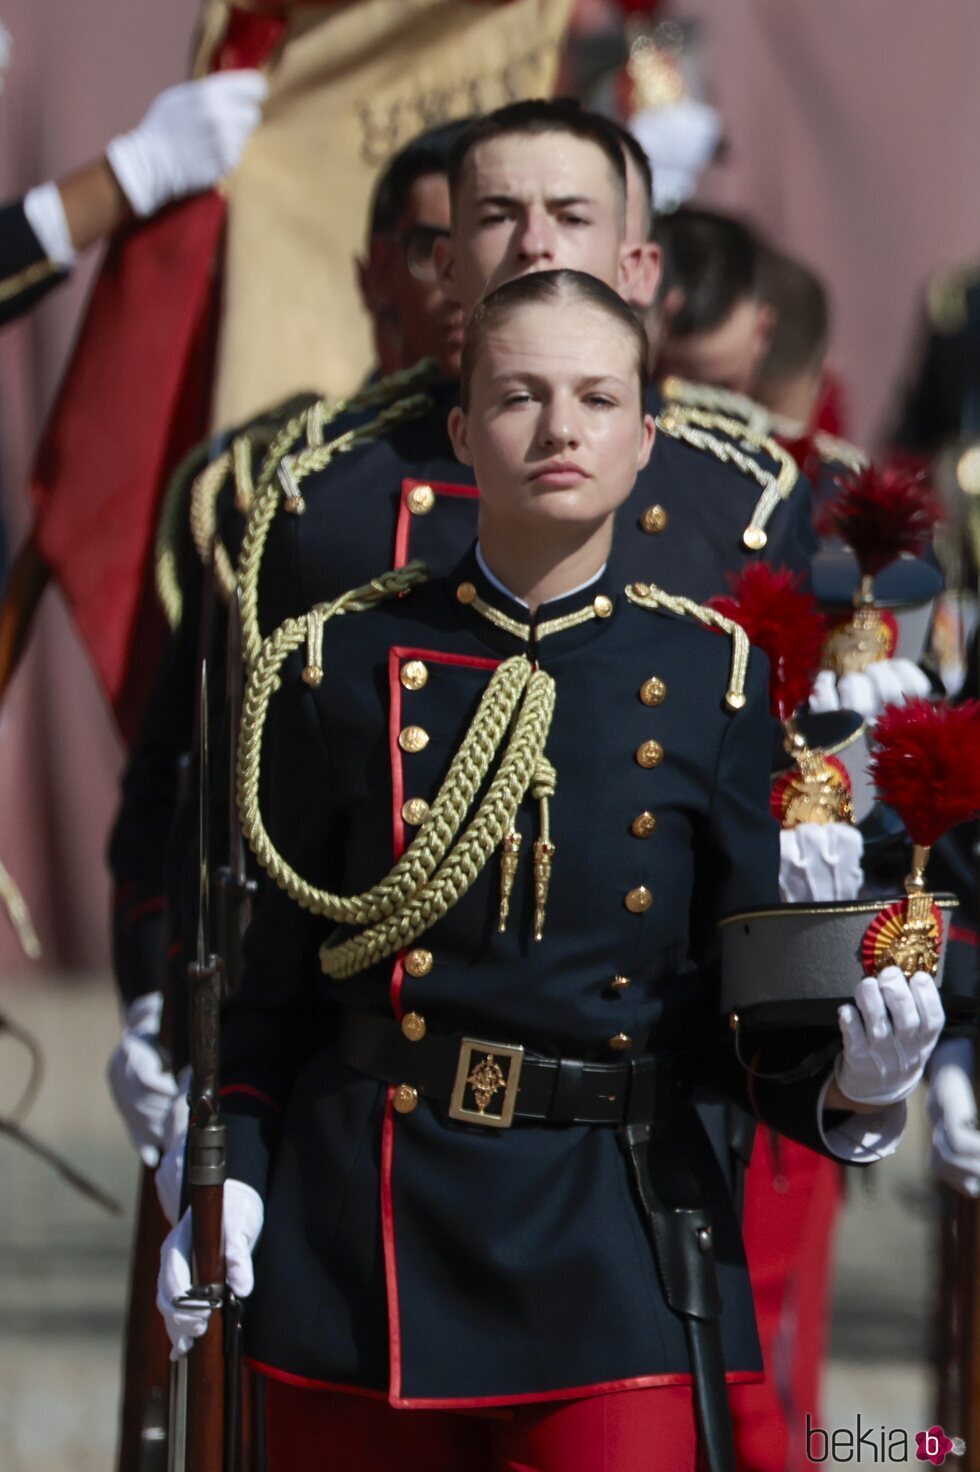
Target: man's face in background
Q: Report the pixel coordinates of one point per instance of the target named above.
(412, 318)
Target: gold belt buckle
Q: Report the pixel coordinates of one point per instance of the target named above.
(481, 1079)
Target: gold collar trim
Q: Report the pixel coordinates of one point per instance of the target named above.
(523, 631)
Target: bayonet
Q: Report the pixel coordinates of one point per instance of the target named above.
(235, 888)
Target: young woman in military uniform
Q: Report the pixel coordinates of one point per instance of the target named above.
(503, 812)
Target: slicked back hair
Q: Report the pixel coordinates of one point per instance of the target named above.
(638, 154)
(715, 261)
(428, 153)
(547, 288)
(800, 336)
(532, 118)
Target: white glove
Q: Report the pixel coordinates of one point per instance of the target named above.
(820, 861)
(888, 1036)
(888, 682)
(243, 1214)
(192, 135)
(170, 1173)
(824, 696)
(680, 141)
(955, 1156)
(141, 1085)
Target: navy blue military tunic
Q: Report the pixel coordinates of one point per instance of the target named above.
(441, 1263)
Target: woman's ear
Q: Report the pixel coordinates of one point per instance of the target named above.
(648, 433)
(458, 434)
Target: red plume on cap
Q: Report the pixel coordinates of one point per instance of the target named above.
(786, 625)
(926, 765)
(882, 512)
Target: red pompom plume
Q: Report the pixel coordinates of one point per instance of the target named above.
(786, 625)
(926, 765)
(882, 512)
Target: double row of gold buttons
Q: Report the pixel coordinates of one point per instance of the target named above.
(649, 754)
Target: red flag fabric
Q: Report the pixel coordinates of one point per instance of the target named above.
(135, 398)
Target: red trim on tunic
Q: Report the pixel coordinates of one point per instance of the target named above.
(397, 798)
(388, 1238)
(961, 933)
(252, 1092)
(148, 907)
(303, 1382)
(403, 526)
(396, 655)
(575, 1392)
(174, 949)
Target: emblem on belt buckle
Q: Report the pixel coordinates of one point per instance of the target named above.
(485, 1077)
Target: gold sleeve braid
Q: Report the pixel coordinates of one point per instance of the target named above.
(444, 858)
(647, 595)
(701, 428)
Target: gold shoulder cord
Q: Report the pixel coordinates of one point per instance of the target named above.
(647, 595)
(441, 863)
(282, 474)
(682, 393)
(168, 587)
(205, 489)
(700, 428)
(832, 447)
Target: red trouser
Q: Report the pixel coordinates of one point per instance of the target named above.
(627, 1431)
(792, 1197)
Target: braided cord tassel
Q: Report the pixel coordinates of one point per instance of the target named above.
(466, 860)
(466, 774)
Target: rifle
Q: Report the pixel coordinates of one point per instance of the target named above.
(235, 888)
(201, 1396)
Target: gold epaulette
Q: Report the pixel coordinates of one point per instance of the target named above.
(946, 294)
(648, 595)
(832, 448)
(736, 443)
(289, 462)
(721, 401)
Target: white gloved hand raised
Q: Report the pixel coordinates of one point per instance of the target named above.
(243, 1214)
(955, 1156)
(888, 682)
(170, 1174)
(192, 135)
(140, 1082)
(888, 1036)
(820, 861)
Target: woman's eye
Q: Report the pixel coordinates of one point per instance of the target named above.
(518, 397)
(575, 220)
(496, 219)
(601, 401)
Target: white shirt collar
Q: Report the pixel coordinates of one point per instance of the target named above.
(496, 583)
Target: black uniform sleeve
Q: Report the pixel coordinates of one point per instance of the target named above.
(26, 274)
(279, 1017)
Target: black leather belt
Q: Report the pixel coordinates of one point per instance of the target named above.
(488, 1083)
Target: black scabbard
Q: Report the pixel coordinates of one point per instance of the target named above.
(681, 1231)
